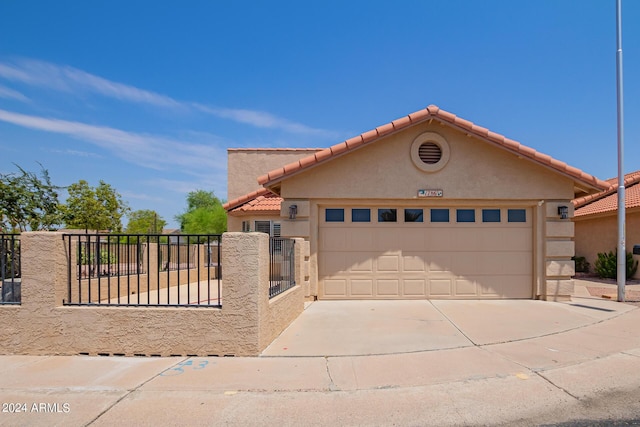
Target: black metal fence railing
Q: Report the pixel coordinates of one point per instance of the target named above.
(150, 270)
(282, 265)
(10, 271)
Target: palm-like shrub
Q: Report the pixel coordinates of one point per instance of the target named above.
(607, 265)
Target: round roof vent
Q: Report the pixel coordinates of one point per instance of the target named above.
(430, 153)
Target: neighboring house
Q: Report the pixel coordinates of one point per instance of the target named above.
(596, 219)
(427, 206)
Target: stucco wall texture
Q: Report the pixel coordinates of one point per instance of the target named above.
(244, 165)
(600, 234)
(244, 325)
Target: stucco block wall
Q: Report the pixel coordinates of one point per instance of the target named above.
(244, 165)
(303, 208)
(560, 229)
(559, 248)
(305, 247)
(562, 248)
(42, 325)
(600, 234)
(295, 228)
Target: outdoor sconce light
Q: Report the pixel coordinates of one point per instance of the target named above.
(563, 211)
(293, 211)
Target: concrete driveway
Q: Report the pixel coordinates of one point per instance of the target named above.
(361, 328)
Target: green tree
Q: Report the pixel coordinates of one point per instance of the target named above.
(28, 201)
(145, 221)
(91, 208)
(204, 214)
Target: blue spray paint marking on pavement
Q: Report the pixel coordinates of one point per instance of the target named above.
(186, 365)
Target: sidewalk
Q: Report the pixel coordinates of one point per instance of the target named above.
(362, 363)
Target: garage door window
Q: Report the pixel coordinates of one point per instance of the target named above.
(387, 215)
(517, 215)
(490, 215)
(334, 215)
(465, 215)
(360, 215)
(413, 215)
(439, 215)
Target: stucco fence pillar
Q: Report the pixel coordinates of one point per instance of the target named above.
(559, 248)
(244, 326)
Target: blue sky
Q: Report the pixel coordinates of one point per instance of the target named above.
(147, 96)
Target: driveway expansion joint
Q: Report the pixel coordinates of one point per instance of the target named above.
(332, 385)
(562, 389)
(131, 391)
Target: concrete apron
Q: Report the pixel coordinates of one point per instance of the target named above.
(359, 328)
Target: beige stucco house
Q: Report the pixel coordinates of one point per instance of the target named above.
(427, 206)
(596, 219)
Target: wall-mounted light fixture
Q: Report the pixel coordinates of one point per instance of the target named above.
(293, 211)
(563, 211)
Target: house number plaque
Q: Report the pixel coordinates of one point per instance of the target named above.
(430, 193)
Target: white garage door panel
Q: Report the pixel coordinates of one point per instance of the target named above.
(414, 262)
(440, 287)
(414, 287)
(335, 287)
(359, 238)
(424, 260)
(362, 287)
(333, 240)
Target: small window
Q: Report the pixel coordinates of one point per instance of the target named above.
(465, 215)
(269, 227)
(517, 215)
(387, 215)
(263, 227)
(334, 215)
(413, 215)
(439, 215)
(490, 215)
(246, 226)
(360, 215)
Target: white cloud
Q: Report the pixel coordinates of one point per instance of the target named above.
(118, 90)
(73, 80)
(69, 79)
(9, 93)
(259, 119)
(77, 153)
(151, 151)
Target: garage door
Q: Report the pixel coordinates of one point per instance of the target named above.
(414, 253)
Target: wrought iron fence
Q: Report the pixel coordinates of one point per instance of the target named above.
(144, 270)
(10, 271)
(282, 265)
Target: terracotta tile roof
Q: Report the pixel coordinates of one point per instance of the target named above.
(607, 200)
(432, 112)
(261, 200)
(275, 149)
